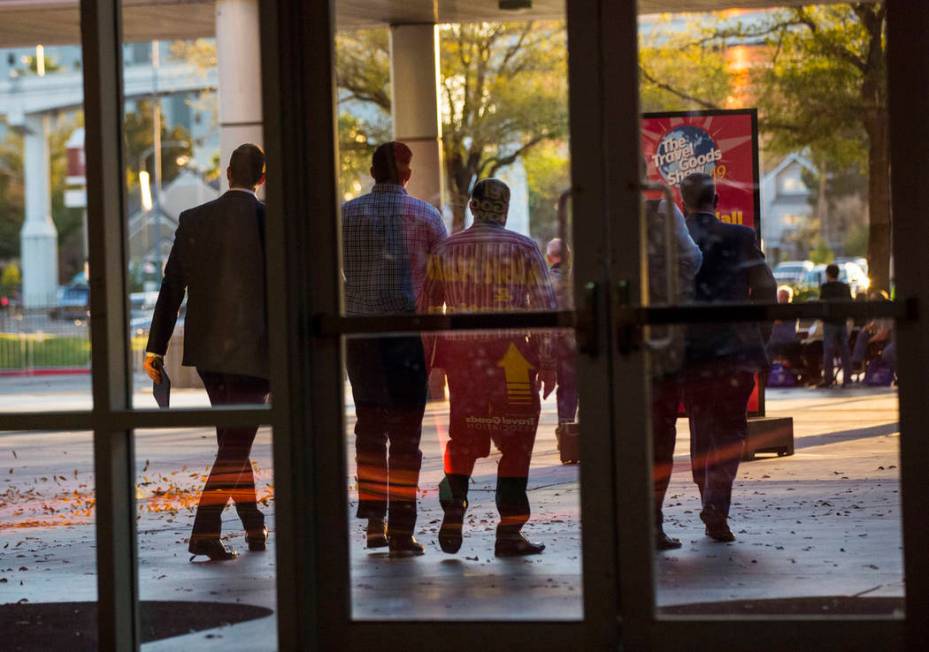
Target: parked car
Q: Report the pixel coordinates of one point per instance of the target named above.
(849, 273)
(790, 272)
(73, 302)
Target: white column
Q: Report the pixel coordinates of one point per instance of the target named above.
(238, 59)
(39, 237)
(414, 80)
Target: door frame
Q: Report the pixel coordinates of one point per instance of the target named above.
(642, 628)
(303, 144)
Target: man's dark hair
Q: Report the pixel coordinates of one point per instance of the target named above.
(832, 271)
(246, 166)
(698, 191)
(388, 160)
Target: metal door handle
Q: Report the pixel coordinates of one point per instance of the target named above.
(588, 319)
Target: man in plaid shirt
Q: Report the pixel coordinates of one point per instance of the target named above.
(493, 378)
(387, 236)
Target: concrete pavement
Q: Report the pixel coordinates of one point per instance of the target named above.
(823, 522)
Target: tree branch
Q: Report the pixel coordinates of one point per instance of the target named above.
(676, 92)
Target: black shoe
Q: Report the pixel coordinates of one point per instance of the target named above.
(716, 526)
(257, 539)
(664, 542)
(376, 533)
(824, 385)
(516, 545)
(450, 534)
(215, 549)
(405, 546)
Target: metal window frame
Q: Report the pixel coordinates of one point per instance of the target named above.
(309, 463)
(112, 419)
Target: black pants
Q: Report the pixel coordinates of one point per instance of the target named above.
(231, 476)
(389, 386)
(717, 399)
(666, 400)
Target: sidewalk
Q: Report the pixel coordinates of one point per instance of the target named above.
(824, 522)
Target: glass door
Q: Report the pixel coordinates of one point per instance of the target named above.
(763, 445)
(446, 304)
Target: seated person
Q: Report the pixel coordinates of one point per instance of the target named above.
(875, 332)
(785, 345)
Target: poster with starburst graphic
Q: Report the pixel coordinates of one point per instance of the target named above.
(723, 144)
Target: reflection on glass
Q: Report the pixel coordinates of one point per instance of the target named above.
(234, 599)
(495, 482)
(44, 291)
(47, 539)
(196, 248)
(455, 436)
(782, 489)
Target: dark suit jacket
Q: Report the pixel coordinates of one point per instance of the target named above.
(734, 270)
(218, 259)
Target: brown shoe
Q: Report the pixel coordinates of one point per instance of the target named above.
(664, 542)
(215, 549)
(376, 533)
(257, 539)
(514, 544)
(716, 526)
(405, 546)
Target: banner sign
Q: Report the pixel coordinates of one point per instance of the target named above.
(723, 144)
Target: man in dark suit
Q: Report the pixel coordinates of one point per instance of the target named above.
(218, 260)
(721, 359)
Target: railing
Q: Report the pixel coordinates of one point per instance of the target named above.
(38, 340)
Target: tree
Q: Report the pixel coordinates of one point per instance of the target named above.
(504, 90)
(820, 86)
(12, 201)
(503, 93)
(680, 73)
(826, 89)
(139, 130)
(68, 221)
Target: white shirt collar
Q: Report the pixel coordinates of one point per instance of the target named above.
(251, 192)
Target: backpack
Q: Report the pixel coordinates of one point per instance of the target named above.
(879, 374)
(781, 376)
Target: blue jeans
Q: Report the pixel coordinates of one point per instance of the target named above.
(835, 338)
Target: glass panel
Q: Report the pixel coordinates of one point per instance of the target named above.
(468, 474)
(47, 541)
(235, 599)
(44, 293)
(756, 130)
(418, 85)
(458, 216)
(815, 504)
(193, 96)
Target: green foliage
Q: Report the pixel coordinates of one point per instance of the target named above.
(10, 278)
(812, 95)
(821, 253)
(683, 69)
(548, 175)
(25, 350)
(363, 78)
(12, 202)
(357, 142)
(856, 241)
(139, 130)
(504, 92)
(68, 221)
